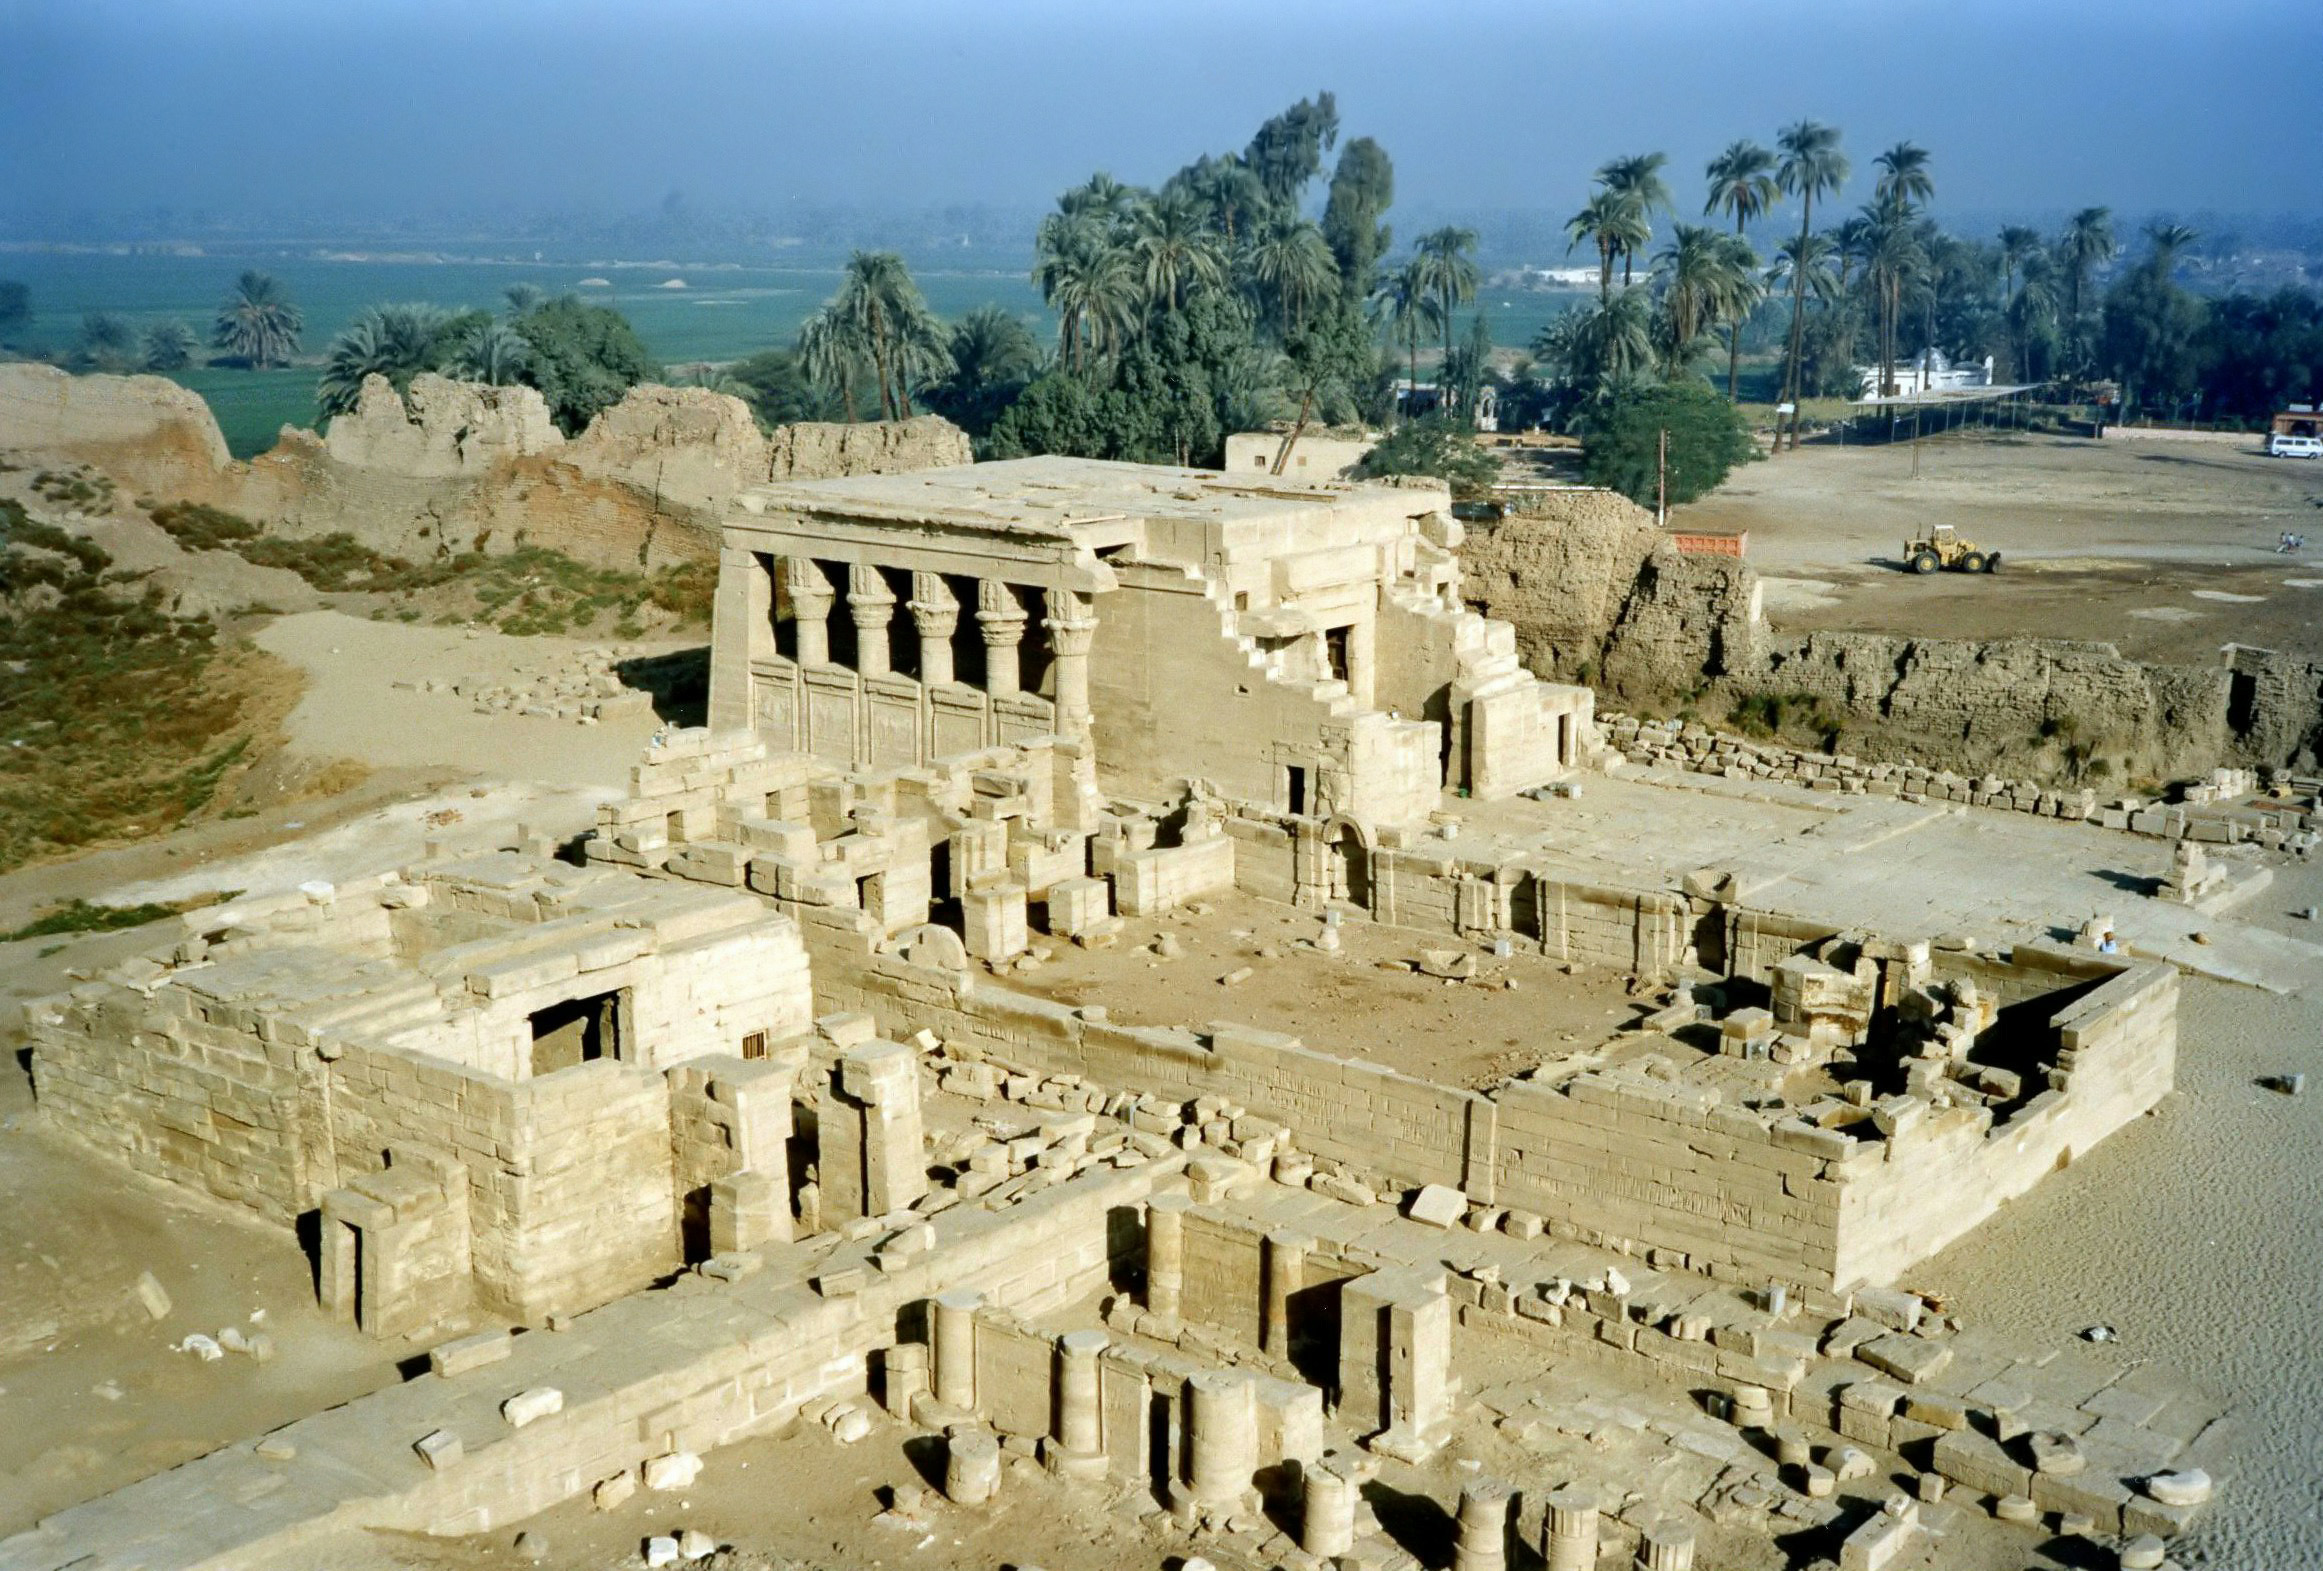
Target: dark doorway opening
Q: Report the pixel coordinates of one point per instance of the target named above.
(576, 1031)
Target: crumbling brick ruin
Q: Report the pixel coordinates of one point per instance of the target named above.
(778, 1039)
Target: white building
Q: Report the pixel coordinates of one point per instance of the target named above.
(1925, 375)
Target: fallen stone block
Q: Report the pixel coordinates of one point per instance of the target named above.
(439, 1449)
(470, 1352)
(153, 1296)
(1438, 1205)
(675, 1471)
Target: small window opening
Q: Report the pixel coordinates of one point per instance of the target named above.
(754, 1045)
(1335, 651)
(1298, 790)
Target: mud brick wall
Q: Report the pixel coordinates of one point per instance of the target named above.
(200, 1098)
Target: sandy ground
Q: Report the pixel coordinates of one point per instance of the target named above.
(1364, 1002)
(354, 709)
(2164, 549)
(2196, 1235)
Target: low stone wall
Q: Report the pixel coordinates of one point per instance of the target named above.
(644, 1377)
(1616, 1157)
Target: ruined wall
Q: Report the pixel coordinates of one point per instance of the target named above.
(146, 431)
(453, 466)
(543, 1156)
(206, 1102)
(1597, 593)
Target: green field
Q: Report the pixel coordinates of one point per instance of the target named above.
(724, 312)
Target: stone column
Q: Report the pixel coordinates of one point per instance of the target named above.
(1001, 622)
(1221, 1437)
(1666, 1545)
(872, 604)
(1165, 1255)
(953, 1334)
(906, 1372)
(1071, 632)
(936, 613)
(1481, 1542)
(1569, 1530)
(1080, 1449)
(1327, 1513)
(811, 599)
(1285, 1268)
(971, 1467)
(870, 1146)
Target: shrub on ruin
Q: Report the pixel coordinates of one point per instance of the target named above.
(583, 359)
(1439, 448)
(1621, 441)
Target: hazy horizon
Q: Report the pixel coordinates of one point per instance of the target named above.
(141, 115)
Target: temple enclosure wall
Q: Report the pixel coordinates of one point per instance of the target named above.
(1613, 1156)
(454, 466)
(1598, 594)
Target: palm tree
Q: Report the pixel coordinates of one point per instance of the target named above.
(394, 341)
(1637, 182)
(887, 316)
(258, 323)
(1809, 267)
(1229, 188)
(2017, 242)
(1812, 165)
(1100, 196)
(1737, 288)
(2168, 240)
(168, 346)
(1742, 185)
(492, 353)
(2033, 313)
(2086, 242)
(1086, 280)
(1615, 225)
(1447, 261)
(1693, 268)
(107, 338)
(521, 298)
(1290, 259)
(1904, 180)
(830, 354)
(1172, 250)
(1893, 259)
(1407, 307)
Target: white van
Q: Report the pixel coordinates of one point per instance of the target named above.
(2281, 446)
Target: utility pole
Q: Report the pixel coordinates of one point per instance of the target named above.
(1662, 478)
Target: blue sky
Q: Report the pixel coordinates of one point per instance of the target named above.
(427, 106)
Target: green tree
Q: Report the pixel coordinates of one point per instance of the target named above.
(1087, 280)
(394, 341)
(1636, 183)
(1362, 190)
(1172, 252)
(521, 298)
(830, 353)
(168, 346)
(1437, 447)
(994, 358)
(583, 359)
(1406, 308)
(778, 390)
(1447, 261)
(258, 323)
(1288, 150)
(107, 340)
(1742, 186)
(2168, 240)
(490, 352)
(1621, 443)
(1811, 165)
(2086, 245)
(1292, 265)
(882, 311)
(1615, 226)
(1905, 180)
(2151, 331)
(1698, 287)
